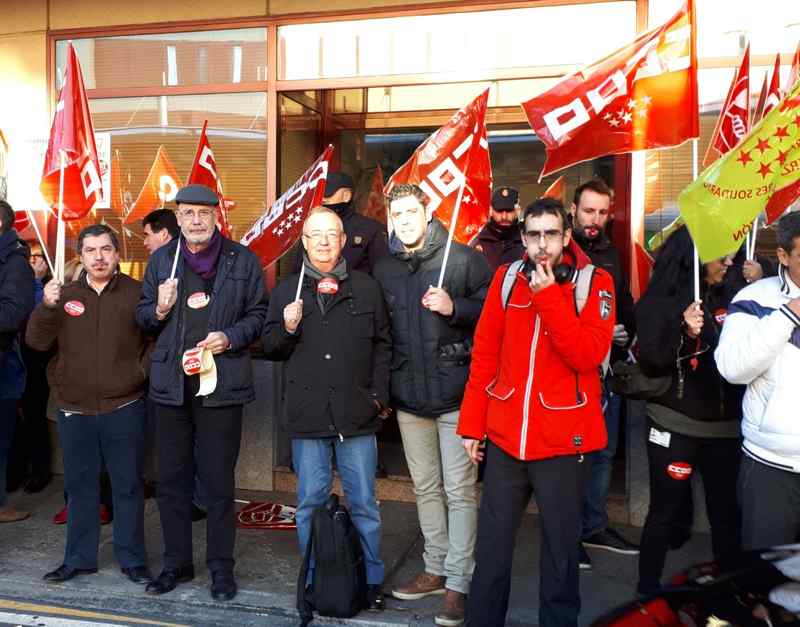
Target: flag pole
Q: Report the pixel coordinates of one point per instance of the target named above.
(696, 254)
(300, 280)
(175, 260)
(60, 232)
(41, 241)
(453, 222)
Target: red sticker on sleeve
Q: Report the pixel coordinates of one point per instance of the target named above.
(74, 308)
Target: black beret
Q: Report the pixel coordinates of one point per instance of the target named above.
(197, 195)
(505, 199)
(337, 181)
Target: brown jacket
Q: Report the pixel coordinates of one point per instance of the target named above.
(101, 363)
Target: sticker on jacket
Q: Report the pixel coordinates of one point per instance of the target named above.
(680, 471)
(74, 308)
(198, 300)
(661, 438)
(605, 304)
(720, 315)
(327, 285)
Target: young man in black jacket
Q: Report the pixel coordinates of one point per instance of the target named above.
(591, 211)
(336, 344)
(432, 332)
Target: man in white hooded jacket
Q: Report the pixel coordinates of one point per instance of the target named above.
(760, 347)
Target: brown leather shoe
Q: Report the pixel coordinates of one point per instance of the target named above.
(9, 514)
(422, 586)
(451, 613)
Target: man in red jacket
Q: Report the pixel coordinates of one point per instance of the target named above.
(534, 393)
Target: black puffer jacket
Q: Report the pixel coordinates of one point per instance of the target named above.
(498, 245)
(16, 287)
(430, 358)
(337, 363)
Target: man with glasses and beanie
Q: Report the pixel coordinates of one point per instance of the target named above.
(533, 401)
(205, 314)
(499, 239)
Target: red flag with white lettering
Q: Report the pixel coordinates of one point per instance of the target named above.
(774, 94)
(73, 136)
(642, 96)
(734, 118)
(204, 172)
(457, 151)
(758, 112)
(280, 227)
(161, 186)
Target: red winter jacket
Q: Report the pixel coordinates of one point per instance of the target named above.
(534, 384)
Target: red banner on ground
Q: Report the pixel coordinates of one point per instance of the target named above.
(278, 229)
(73, 136)
(459, 150)
(641, 96)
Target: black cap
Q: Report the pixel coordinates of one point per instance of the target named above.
(197, 195)
(505, 199)
(337, 181)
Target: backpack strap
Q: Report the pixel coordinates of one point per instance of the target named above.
(509, 279)
(583, 283)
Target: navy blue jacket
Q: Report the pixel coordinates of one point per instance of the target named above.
(238, 308)
(16, 287)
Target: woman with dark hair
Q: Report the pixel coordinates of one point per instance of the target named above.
(696, 423)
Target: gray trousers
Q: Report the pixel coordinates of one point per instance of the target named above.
(770, 502)
(444, 484)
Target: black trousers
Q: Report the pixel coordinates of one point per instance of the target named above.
(671, 469)
(86, 440)
(217, 432)
(770, 499)
(507, 487)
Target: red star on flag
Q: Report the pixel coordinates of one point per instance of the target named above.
(782, 154)
(762, 145)
(781, 132)
(744, 157)
(764, 170)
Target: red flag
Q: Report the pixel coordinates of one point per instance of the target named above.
(794, 71)
(556, 189)
(204, 172)
(375, 205)
(73, 136)
(161, 186)
(758, 112)
(774, 93)
(642, 269)
(278, 229)
(734, 118)
(458, 150)
(642, 96)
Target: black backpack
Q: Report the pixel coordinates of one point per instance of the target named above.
(339, 586)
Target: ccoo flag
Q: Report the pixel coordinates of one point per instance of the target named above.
(160, 187)
(734, 118)
(204, 172)
(761, 174)
(642, 96)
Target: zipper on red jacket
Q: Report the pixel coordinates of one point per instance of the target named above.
(528, 386)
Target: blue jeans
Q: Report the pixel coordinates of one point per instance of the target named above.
(356, 459)
(86, 440)
(594, 518)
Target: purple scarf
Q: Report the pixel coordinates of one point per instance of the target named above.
(204, 263)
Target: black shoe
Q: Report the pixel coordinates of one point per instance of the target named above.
(169, 579)
(375, 601)
(37, 483)
(612, 540)
(65, 573)
(223, 586)
(584, 563)
(198, 514)
(138, 574)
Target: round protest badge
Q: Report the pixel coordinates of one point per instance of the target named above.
(198, 300)
(74, 308)
(720, 315)
(327, 285)
(680, 471)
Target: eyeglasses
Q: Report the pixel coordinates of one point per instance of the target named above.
(550, 235)
(203, 214)
(316, 236)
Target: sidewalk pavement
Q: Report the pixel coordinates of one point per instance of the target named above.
(267, 563)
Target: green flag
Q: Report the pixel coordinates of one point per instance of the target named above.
(762, 173)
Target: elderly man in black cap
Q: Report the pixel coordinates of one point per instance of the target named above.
(203, 296)
(366, 238)
(499, 239)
